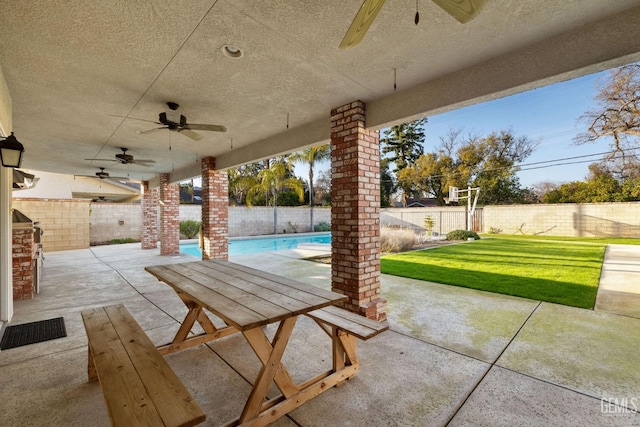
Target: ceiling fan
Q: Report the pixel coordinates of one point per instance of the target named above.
(127, 159)
(101, 174)
(463, 10)
(173, 120)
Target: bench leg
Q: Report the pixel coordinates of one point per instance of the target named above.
(344, 351)
(91, 367)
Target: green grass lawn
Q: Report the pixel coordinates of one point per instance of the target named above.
(563, 272)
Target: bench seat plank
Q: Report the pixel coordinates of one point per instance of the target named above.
(139, 386)
(356, 325)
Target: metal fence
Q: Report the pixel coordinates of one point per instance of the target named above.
(444, 219)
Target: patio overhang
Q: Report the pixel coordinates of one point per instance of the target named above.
(95, 76)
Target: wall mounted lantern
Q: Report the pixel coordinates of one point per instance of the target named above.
(11, 152)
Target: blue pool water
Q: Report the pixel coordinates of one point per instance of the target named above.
(261, 244)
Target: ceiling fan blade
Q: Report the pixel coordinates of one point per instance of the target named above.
(151, 130)
(190, 134)
(212, 128)
(463, 10)
(103, 160)
(361, 23)
(140, 163)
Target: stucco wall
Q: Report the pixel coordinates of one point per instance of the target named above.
(579, 220)
(65, 222)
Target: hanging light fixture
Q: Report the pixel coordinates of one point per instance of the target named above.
(11, 152)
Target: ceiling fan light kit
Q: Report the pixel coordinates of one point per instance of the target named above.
(174, 121)
(126, 159)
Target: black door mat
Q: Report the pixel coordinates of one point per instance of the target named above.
(31, 333)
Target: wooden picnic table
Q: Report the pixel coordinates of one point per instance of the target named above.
(247, 299)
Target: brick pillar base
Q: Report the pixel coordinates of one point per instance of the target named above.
(215, 211)
(149, 235)
(23, 263)
(169, 216)
(355, 211)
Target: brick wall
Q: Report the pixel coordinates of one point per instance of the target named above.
(149, 211)
(66, 223)
(355, 211)
(23, 263)
(215, 211)
(169, 216)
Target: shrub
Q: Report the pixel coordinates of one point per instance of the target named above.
(190, 228)
(322, 226)
(125, 240)
(397, 240)
(462, 235)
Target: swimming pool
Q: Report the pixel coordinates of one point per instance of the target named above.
(252, 245)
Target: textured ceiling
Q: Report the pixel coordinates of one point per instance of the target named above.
(81, 73)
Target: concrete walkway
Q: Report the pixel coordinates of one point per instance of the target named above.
(619, 290)
(453, 356)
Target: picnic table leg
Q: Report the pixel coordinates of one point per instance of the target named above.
(269, 368)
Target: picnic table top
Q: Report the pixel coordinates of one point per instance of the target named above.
(242, 296)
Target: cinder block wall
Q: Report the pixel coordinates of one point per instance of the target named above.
(567, 219)
(258, 220)
(115, 221)
(65, 222)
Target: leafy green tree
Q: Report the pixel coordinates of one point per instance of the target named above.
(432, 173)
(311, 156)
(403, 144)
(488, 163)
(273, 181)
(241, 180)
(600, 186)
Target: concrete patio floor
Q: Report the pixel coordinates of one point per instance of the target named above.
(452, 356)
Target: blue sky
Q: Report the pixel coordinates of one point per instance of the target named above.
(548, 115)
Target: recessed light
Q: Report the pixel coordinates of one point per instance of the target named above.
(231, 51)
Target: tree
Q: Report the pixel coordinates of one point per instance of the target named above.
(404, 143)
(273, 181)
(488, 163)
(600, 186)
(387, 183)
(310, 156)
(322, 189)
(617, 117)
(241, 180)
(432, 173)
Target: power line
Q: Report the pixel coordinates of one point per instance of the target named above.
(537, 165)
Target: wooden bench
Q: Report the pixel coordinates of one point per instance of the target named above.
(138, 385)
(344, 327)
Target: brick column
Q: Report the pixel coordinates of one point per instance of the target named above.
(149, 235)
(169, 216)
(215, 211)
(355, 211)
(23, 263)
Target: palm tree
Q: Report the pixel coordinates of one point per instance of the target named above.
(239, 184)
(310, 156)
(273, 181)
